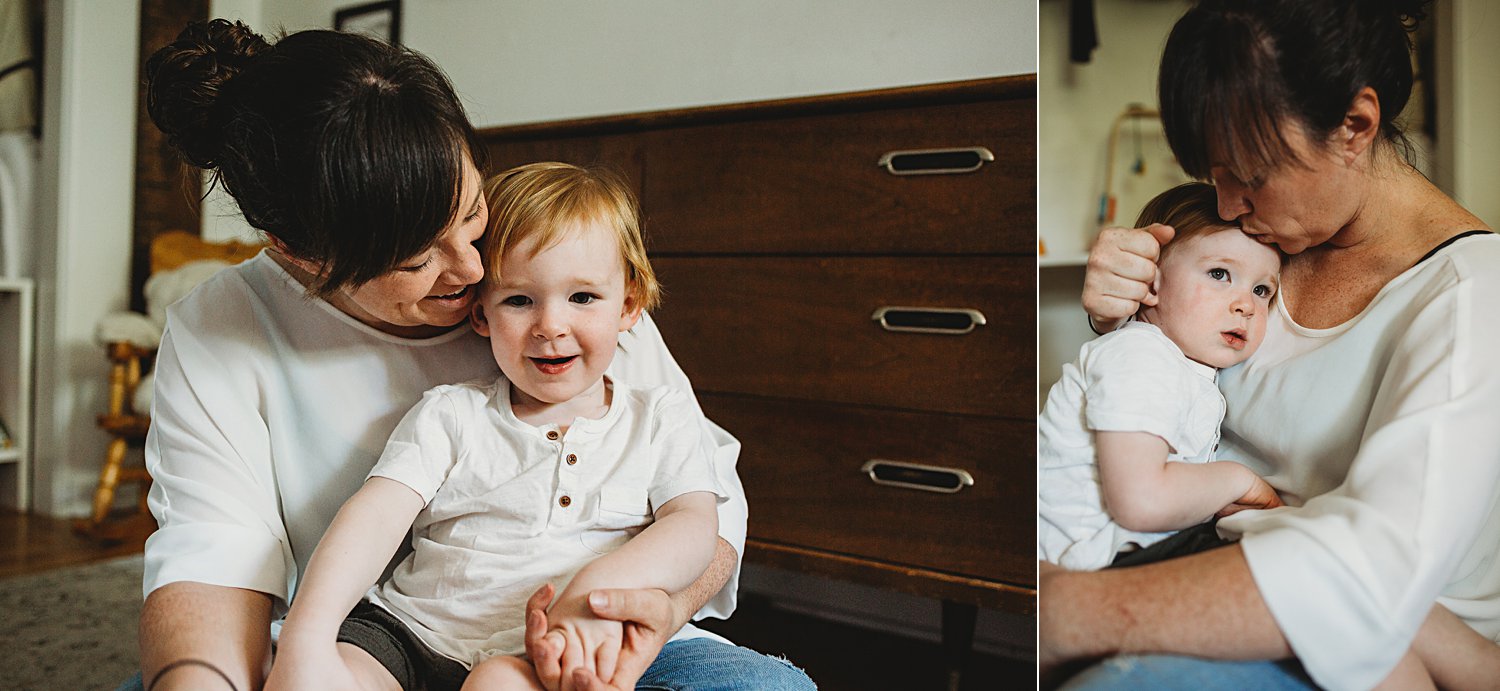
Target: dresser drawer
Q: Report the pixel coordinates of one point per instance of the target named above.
(802, 468)
(811, 184)
(801, 328)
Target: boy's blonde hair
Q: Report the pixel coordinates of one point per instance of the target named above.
(539, 201)
(1192, 209)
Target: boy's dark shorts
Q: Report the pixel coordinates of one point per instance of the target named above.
(415, 666)
(1199, 538)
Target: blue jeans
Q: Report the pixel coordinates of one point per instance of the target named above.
(704, 664)
(1171, 672)
(699, 664)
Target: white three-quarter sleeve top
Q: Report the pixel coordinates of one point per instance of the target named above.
(1383, 434)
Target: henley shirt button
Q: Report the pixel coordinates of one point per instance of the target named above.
(565, 501)
(552, 434)
(572, 458)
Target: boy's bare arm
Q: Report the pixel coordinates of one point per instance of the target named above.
(669, 555)
(352, 554)
(350, 557)
(1143, 491)
(227, 628)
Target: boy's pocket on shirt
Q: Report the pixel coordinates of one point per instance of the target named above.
(619, 514)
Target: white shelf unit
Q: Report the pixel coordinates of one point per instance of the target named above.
(1058, 261)
(17, 310)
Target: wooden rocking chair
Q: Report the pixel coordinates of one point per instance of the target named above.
(126, 426)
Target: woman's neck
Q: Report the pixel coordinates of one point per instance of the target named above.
(1400, 218)
(1400, 212)
(341, 302)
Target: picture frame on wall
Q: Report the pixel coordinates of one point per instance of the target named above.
(380, 20)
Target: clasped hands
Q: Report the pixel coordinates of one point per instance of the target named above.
(601, 642)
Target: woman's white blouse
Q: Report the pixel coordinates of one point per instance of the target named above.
(1386, 431)
(271, 407)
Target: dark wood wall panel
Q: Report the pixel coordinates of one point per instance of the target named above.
(167, 191)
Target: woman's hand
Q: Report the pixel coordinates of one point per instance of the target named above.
(588, 642)
(1121, 269)
(649, 620)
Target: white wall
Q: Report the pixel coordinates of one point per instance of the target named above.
(222, 221)
(521, 61)
(526, 61)
(1078, 105)
(1468, 98)
(85, 192)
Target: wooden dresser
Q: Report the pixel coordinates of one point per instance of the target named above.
(850, 282)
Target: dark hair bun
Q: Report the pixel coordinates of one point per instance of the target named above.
(1411, 12)
(186, 80)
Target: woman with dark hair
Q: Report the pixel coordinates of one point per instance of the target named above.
(279, 380)
(1371, 405)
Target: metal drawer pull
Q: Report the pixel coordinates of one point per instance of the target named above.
(935, 161)
(929, 320)
(928, 478)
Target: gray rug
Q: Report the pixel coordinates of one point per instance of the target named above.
(72, 628)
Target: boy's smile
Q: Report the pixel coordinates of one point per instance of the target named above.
(553, 316)
(556, 365)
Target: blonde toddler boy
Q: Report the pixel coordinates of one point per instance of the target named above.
(550, 474)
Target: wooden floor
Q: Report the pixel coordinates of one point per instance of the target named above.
(838, 657)
(29, 544)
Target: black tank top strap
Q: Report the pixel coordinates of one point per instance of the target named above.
(1450, 241)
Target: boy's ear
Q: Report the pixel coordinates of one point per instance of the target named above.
(477, 319)
(1156, 282)
(630, 314)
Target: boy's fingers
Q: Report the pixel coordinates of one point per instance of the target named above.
(584, 681)
(548, 660)
(572, 659)
(604, 659)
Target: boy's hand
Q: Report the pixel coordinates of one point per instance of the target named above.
(587, 642)
(1259, 495)
(649, 621)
